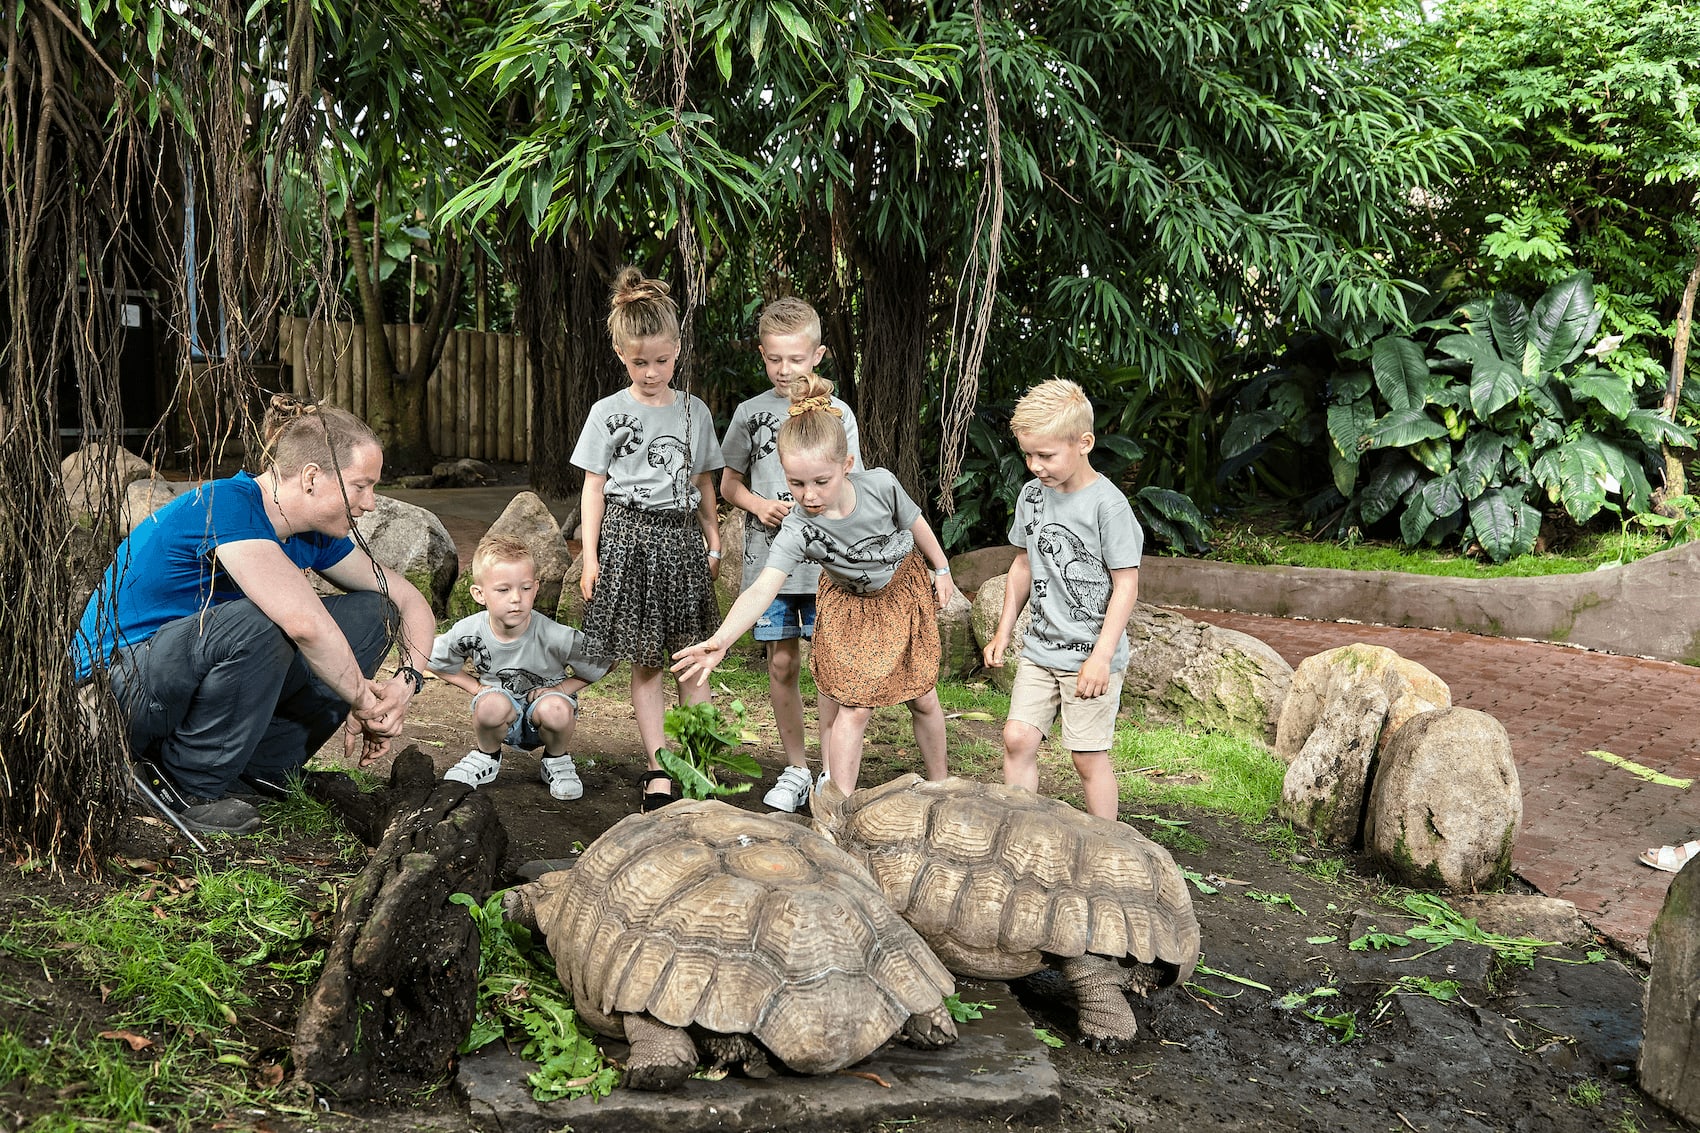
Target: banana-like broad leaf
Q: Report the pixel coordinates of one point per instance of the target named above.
(1654, 428)
(1345, 470)
(1564, 320)
(1416, 520)
(1434, 455)
(1478, 461)
(1172, 505)
(1404, 427)
(1508, 321)
(1494, 384)
(1504, 523)
(1248, 430)
(1612, 391)
(1349, 387)
(1401, 372)
(1441, 496)
(1348, 425)
(1585, 475)
(1387, 486)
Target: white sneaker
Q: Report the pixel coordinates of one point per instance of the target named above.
(558, 771)
(791, 791)
(475, 769)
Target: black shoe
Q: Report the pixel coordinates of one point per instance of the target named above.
(209, 816)
(649, 800)
(266, 785)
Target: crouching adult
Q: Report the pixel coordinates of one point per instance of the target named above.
(231, 670)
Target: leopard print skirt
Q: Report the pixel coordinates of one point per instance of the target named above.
(654, 595)
(879, 649)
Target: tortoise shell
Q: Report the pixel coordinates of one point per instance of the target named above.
(999, 879)
(701, 914)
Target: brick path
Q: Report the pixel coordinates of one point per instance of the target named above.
(1584, 821)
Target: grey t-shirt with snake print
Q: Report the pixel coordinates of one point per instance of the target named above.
(751, 448)
(862, 550)
(1073, 541)
(642, 450)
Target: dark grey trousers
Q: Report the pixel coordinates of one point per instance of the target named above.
(225, 692)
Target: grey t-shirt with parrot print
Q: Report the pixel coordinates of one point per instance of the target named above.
(1073, 541)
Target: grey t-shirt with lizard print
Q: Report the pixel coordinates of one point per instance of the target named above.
(1073, 541)
(862, 550)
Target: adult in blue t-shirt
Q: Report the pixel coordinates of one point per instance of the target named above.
(230, 669)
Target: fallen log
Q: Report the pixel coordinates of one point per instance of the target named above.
(398, 990)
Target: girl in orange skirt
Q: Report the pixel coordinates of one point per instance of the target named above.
(883, 578)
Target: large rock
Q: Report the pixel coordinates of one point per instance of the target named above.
(144, 497)
(528, 519)
(1333, 675)
(570, 610)
(1325, 786)
(87, 473)
(1445, 803)
(987, 609)
(959, 653)
(413, 542)
(973, 568)
(731, 580)
(462, 473)
(1670, 1047)
(1184, 672)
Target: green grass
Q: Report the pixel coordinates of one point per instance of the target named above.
(1590, 551)
(1211, 772)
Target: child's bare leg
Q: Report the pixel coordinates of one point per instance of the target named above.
(1021, 755)
(492, 716)
(784, 665)
(693, 692)
(826, 713)
(1098, 783)
(553, 717)
(928, 719)
(848, 729)
(647, 696)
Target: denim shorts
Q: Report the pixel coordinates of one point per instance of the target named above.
(791, 615)
(522, 733)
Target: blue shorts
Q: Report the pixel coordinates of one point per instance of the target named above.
(791, 615)
(522, 733)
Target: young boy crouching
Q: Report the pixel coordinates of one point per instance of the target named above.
(1079, 565)
(523, 669)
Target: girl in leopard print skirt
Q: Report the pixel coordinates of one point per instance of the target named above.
(651, 536)
(883, 578)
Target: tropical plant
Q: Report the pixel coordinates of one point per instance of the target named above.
(706, 739)
(1518, 409)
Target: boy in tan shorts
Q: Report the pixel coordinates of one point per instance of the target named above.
(1079, 567)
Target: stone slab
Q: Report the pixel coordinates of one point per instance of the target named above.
(996, 1071)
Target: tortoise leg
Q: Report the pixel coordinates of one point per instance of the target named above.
(930, 1030)
(662, 1056)
(735, 1050)
(1106, 1021)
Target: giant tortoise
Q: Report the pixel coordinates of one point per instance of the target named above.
(704, 923)
(1003, 882)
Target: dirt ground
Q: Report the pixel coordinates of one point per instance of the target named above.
(1547, 1048)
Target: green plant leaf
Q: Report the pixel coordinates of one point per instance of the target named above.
(1564, 320)
(1388, 485)
(1503, 523)
(1347, 426)
(1477, 462)
(1508, 323)
(1401, 373)
(1415, 520)
(1434, 454)
(1247, 430)
(1611, 391)
(1404, 427)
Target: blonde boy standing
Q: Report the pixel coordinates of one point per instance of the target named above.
(1079, 564)
(753, 480)
(524, 670)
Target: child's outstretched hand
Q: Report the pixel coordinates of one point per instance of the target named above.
(994, 651)
(697, 661)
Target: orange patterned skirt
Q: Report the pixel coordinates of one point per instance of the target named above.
(879, 649)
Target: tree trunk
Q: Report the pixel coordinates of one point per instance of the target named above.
(891, 375)
(1676, 482)
(380, 365)
(562, 311)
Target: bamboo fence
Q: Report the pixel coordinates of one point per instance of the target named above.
(477, 402)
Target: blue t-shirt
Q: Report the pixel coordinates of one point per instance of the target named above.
(166, 570)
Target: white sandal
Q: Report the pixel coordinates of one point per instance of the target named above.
(1670, 859)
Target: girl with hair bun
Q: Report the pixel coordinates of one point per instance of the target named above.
(651, 535)
(883, 578)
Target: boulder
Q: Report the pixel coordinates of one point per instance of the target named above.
(1184, 672)
(959, 654)
(528, 519)
(87, 473)
(570, 610)
(463, 473)
(731, 580)
(413, 542)
(973, 568)
(1670, 1046)
(1331, 675)
(144, 497)
(1445, 803)
(986, 610)
(1325, 786)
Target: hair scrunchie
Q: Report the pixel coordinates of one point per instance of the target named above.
(288, 405)
(812, 403)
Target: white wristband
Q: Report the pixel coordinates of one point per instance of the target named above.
(714, 554)
(940, 572)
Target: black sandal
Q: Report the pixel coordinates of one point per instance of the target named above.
(649, 800)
